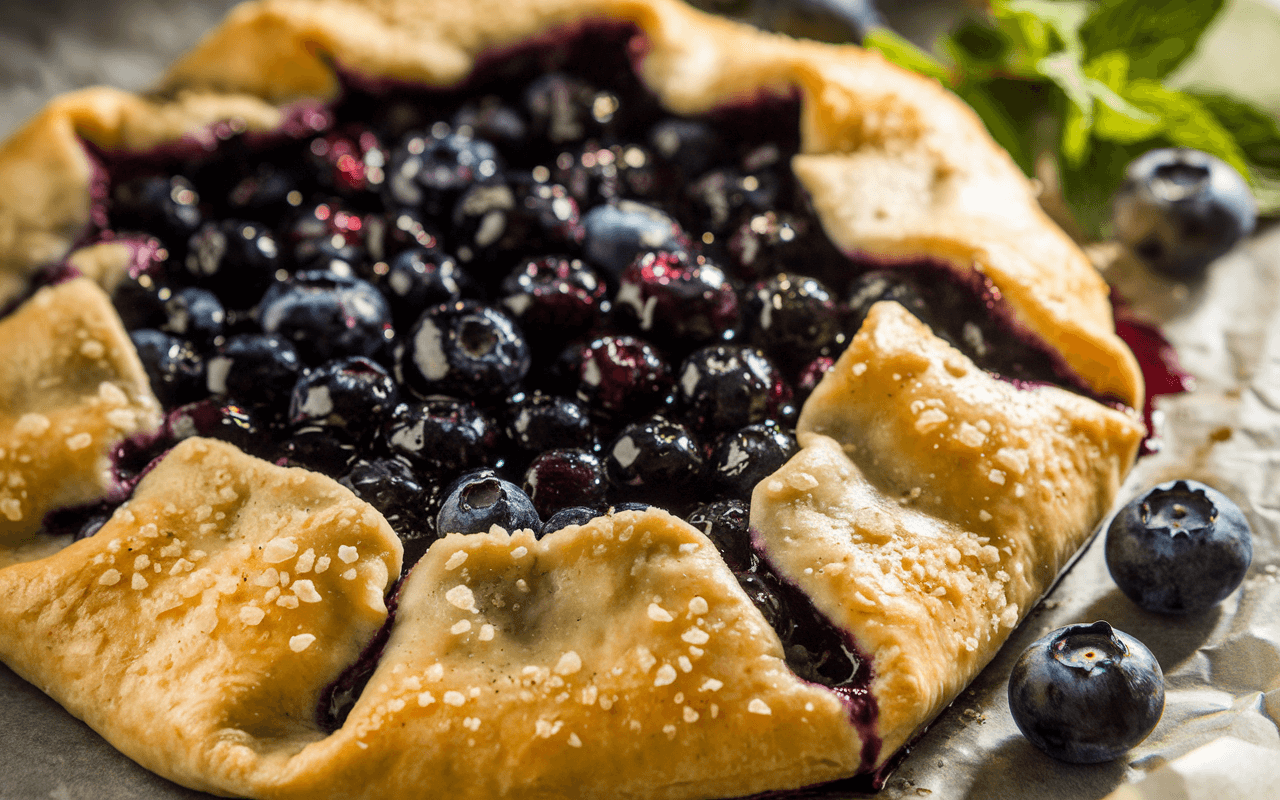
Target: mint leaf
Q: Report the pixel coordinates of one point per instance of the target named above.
(1117, 119)
(905, 54)
(1187, 123)
(1087, 187)
(1040, 28)
(1157, 35)
(1257, 133)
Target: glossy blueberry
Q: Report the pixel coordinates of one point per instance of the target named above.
(429, 170)
(622, 377)
(563, 478)
(763, 591)
(792, 316)
(268, 193)
(727, 524)
(537, 422)
(442, 435)
(321, 448)
(480, 221)
(219, 418)
(614, 235)
(327, 316)
(140, 294)
(810, 376)
(1179, 209)
(167, 206)
(885, 285)
(574, 515)
(1180, 547)
(173, 365)
(326, 236)
(257, 369)
(557, 296)
(418, 278)
(724, 198)
(351, 161)
(1086, 693)
(492, 119)
(546, 219)
(561, 108)
(677, 300)
(409, 505)
(352, 393)
(770, 242)
(464, 349)
(747, 456)
(655, 460)
(195, 314)
(726, 387)
(388, 234)
(237, 259)
(687, 143)
(477, 504)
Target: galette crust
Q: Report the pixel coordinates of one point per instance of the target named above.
(932, 505)
(898, 167)
(71, 387)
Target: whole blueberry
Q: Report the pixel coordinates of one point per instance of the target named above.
(464, 349)
(1180, 547)
(237, 259)
(408, 505)
(749, 455)
(687, 143)
(723, 198)
(792, 316)
(326, 316)
(387, 234)
(560, 108)
(726, 387)
(622, 376)
(1086, 693)
(574, 515)
(727, 524)
(353, 394)
(418, 278)
(174, 366)
(480, 220)
(615, 234)
(326, 236)
(167, 206)
(655, 460)
(492, 119)
(219, 418)
(351, 161)
(563, 478)
(537, 422)
(257, 369)
(477, 504)
(558, 296)
(885, 284)
(195, 314)
(141, 292)
(267, 192)
(429, 170)
(1179, 209)
(442, 435)
(321, 448)
(677, 300)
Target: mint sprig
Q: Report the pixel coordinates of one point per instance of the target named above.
(1082, 81)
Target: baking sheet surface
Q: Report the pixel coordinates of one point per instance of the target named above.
(1222, 667)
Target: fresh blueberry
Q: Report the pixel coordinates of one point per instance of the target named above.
(327, 316)
(442, 435)
(722, 199)
(195, 314)
(429, 170)
(418, 278)
(727, 524)
(237, 259)
(792, 316)
(687, 143)
(1179, 209)
(480, 221)
(168, 207)
(538, 422)
(574, 515)
(218, 418)
(464, 349)
(174, 366)
(563, 478)
(655, 460)
(493, 120)
(321, 448)
(353, 394)
(726, 387)
(257, 369)
(326, 236)
(408, 505)
(1086, 693)
(477, 504)
(677, 300)
(386, 235)
(622, 377)
(747, 456)
(1180, 547)
(614, 235)
(557, 296)
(350, 162)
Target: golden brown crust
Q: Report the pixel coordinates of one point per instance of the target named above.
(932, 505)
(898, 167)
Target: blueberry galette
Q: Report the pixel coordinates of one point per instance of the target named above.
(546, 398)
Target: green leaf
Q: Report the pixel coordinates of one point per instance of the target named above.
(1040, 28)
(1087, 187)
(1257, 132)
(905, 54)
(1157, 35)
(1187, 123)
(1116, 118)
(977, 46)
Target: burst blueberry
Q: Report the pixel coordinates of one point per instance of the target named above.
(557, 296)
(327, 316)
(677, 300)
(563, 478)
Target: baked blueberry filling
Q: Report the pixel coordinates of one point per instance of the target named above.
(391, 280)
